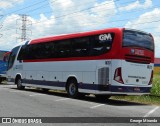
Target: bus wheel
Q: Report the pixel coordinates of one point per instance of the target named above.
(102, 97)
(19, 84)
(72, 88)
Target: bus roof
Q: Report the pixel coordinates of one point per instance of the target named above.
(74, 35)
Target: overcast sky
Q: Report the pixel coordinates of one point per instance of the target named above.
(53, 17)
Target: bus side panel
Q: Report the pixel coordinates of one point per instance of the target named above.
(31, 75)
(88, 82)
(55, 76)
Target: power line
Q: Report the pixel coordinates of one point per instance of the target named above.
(45, 5)
(92, 24)
(82, 9)
(121, 21)
(56, 10)
(25, 7)
(47, 12)
(77, 12)
(40, 7)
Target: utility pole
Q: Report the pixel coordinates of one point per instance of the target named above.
(24, 28)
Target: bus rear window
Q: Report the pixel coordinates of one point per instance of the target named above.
(137, 39)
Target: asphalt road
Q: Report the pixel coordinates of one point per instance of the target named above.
(35, 103)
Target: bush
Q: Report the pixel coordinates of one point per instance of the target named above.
(156, 85)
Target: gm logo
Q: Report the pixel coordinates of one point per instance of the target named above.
(104, 37)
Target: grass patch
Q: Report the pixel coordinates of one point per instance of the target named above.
(145, 99)
(3, 83)
(156, 85)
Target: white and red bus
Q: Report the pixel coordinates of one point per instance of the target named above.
(106, 62)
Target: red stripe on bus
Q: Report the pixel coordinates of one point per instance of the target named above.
(75, 35)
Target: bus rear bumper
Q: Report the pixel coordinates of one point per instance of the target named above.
(120, 93)
(126, 90)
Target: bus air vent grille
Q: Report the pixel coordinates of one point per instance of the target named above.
(103, 75)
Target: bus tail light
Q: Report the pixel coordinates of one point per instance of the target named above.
(151, 79)
(118, 75)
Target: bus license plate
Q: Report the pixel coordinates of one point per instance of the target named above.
(137, 89)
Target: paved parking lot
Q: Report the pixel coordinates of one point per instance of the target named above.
(35, 103)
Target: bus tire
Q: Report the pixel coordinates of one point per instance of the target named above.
(72, 88)
(102, 97)
(19, 84)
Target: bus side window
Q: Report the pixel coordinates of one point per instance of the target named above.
(35, 51)
(101, 46)
(63, 49)
(29, 54)
(49, 50)
(81, 47)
